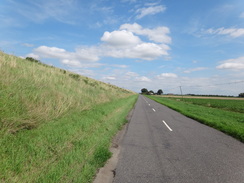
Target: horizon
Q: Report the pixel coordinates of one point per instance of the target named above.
(134, 44)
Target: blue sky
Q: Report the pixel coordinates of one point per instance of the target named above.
(156, 44)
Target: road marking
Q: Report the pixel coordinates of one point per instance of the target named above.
(149, 104)
(167, 126)
(154, 110)
(145, 99)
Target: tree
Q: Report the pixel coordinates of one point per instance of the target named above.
(151, 92)
(144, 91)
(241, 95)
(160, 92)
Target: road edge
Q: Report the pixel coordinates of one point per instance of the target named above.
(107, 173)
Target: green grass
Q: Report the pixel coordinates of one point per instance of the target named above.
(227, 121)
(69, 149)
(33, 93)
(55, 126)
(228, 105)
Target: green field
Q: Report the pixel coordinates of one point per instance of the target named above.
(228, 104)
(224, 115)
(55, 126)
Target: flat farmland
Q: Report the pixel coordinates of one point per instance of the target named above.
(225, 113)
(203, 97)
(224, 103)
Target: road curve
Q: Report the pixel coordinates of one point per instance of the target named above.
(161, 145)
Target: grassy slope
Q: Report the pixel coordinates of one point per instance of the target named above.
(55, 126)
(228, 122)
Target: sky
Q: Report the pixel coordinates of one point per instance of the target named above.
(197, 46)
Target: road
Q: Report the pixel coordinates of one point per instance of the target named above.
(161, 145)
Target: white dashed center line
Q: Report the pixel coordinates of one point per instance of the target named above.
(154, 110)
(167, 126)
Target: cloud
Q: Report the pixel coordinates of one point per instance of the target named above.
(125, 43)
(233, 32)
(242, 15)
(28, 45)
(143, 79)
(82, 57)
(152, 10)
(109, 78)
(121, 38)
(148, 51)
(120, 66)
(144, 51)
(131, 74)
(159, 34)
(80, 54)
(233, 64)
(39, 11)
(166, 75)
(195, 69)
(33, 56)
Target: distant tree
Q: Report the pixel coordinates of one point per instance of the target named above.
(32, 59)
(144, 91)
(241, 95)
(151, 92)
(160, 92)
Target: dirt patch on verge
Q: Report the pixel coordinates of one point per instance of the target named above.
(107, 173)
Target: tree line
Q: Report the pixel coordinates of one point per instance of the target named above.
(145, 91)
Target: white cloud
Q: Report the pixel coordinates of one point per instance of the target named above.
(233, 32)
(80, 54)
(233, 64)
(124, 44)
(51, 52)
(152, 10)
(39, 11)
(35, 56)
(143, 79)
(144, 51)
(85, 72)
(82, 57)
(131, 74)
(109, 78)
(148, 51)
(121, 38)
(120, 66)
(166, 75)
(195, 69)
(28, 45)
(117, 44)
(242, 15)
(159, 34)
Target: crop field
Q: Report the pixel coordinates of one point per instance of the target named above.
(224, 104)
(224, 115)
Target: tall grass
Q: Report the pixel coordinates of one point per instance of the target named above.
(55, 126)
(33, 93)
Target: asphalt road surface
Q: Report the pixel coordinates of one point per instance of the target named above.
(161, 145)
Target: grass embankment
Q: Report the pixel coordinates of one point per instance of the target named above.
(55, 126)
(224, 115)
